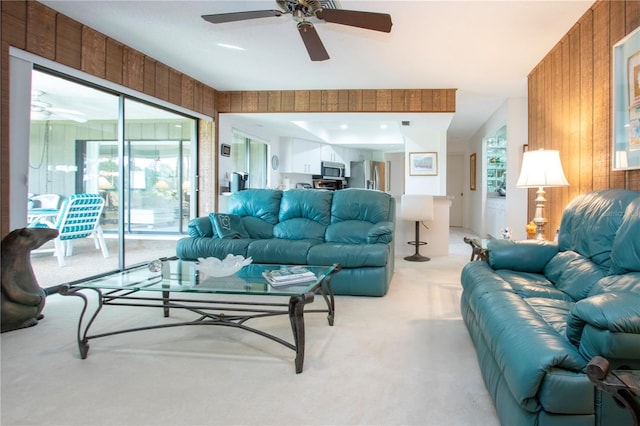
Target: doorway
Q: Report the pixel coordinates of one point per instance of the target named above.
(455, 188)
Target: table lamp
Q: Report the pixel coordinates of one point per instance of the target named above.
(418, 208)
(541, 169)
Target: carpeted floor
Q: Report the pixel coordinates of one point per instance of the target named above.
(403, 359)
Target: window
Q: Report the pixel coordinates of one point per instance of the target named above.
(496, 148)
(250, 155)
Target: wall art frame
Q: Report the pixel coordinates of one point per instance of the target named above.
(423, 164)
(472, 172)
(625, 132)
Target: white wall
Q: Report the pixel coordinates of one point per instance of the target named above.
(432, 139)
(513, 114)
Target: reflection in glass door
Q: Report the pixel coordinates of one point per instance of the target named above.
(157, 196)
(158, 169)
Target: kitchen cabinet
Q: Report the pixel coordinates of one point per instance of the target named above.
(335, 154)
(496, 159)
(300, 156)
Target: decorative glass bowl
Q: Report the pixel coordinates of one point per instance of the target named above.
(215, 267)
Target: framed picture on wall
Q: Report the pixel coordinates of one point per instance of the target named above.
(423, 163)
(625, 154)
(472, 172)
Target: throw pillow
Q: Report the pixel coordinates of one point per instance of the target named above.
(228, 225)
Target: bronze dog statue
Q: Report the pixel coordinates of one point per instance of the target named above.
(22, 297)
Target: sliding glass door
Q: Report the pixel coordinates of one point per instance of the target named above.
(138, 157)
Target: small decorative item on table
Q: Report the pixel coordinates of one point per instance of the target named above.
(288, 276)
(215, 267)
(506, 233)
(155, 265)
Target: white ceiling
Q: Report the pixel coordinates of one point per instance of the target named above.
(485, 49)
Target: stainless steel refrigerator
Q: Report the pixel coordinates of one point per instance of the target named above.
(369, 174)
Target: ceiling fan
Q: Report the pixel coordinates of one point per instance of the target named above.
(41, 110)
(303, 9)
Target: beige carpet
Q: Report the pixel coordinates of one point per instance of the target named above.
(404, 359)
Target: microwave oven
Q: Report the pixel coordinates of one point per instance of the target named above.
(330, 170)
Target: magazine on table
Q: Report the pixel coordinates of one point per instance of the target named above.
(288, 276)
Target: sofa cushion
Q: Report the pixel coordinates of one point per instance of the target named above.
(228, 225)
(523, 344)
(590, 222)
(625, 252)
(359, 232)
(257, 228)
(261, 203)
(553, 311)
(361, 204)
(280, 251)
(573, 273)
(201, 227)
(303, 215)
(193, 248)
(528, 284)
(615, 283)
(349, 255)
(360, 216)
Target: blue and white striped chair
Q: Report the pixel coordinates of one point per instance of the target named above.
(79, 217)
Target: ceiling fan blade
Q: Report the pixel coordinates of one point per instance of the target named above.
(367, 20)
(220, 18)
(312, 41)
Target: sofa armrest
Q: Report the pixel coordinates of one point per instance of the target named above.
(522, 256)
(201, 227)
(381, 232)
(607, 324)
(617, 312)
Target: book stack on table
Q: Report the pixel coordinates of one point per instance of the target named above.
(288, 276)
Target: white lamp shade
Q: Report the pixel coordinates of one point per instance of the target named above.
(416, 207)
(541, 168)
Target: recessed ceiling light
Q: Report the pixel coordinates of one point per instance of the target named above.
(230, 46)
(383, 126)
(344, 127)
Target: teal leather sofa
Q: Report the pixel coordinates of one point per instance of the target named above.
(537, 312)
(352, 227)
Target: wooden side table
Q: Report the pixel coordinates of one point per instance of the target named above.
(479, 249)
(623, 385)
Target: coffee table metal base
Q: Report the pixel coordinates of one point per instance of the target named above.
(210, 312)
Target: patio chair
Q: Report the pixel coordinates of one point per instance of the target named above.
(79, 217)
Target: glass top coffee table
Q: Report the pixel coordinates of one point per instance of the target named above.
(228, 301)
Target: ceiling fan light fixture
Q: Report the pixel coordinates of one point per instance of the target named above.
(230, 46)
(35, 103)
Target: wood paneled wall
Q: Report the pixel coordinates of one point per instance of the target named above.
(354, 100)
(570, 105)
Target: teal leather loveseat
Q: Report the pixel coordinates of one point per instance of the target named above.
(538, 312)
(352, 227)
